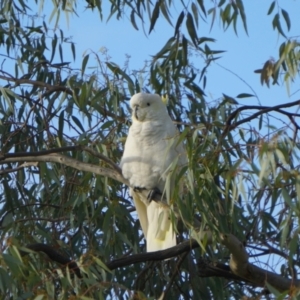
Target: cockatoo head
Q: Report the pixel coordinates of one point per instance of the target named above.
(146, 107)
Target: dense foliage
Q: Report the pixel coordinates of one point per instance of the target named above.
(62, 135)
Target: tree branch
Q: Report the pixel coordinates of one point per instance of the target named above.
(56, 88)
(22, 166)
(240, 266)
(38, 83)
(262, 110)
(54, 255)
(64, 160)
(153, 256)
(175, 273)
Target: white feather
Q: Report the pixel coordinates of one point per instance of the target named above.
(150, 149)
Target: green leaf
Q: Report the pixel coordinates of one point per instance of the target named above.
(244, 95)
(260, 122)
(191, 29)
(78, 123)
(179, 22)
(5, 281)
(101, 264)
(195, 13)
(228, 99)
(195, 88)
(221, 3)
(166, 48)
(184, 51)
(84, 63)
(205, 39)
(60, 53)
(226, 15)
(154, 16)
(272, 290)
(240, 6)
(165, 12)
(61, 121)
(118, 71)
(200, 2)
(39, 297)
(54, 43)
(276, 24)
(13, 263)
(286, 18)
(287, 197)
(213, 12)
(132, 19)
(73, 51)
(271, 8)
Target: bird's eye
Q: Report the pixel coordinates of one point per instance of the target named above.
(148, 104)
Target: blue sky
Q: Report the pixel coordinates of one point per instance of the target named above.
(244, 53)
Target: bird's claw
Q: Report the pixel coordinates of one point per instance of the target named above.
(154, 195)
(138, 189)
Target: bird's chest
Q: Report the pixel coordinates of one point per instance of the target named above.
(145, 160)
(148, 135)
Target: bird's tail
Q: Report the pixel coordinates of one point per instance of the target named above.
(160, 233)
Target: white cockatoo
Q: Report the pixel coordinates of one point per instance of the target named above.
(151, 155)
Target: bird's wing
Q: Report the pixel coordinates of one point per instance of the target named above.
(155, 222)
(160, 234)
(141, 210)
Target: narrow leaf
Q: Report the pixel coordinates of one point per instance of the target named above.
(165, 12)
(271, 8)
(179, 22)
(200, 2)
(165, 48)
(195, 13)
(184, 51)
(286, 18)
(240, 6)
(84, 63)
(276, 24)
(78, 123)
(154, 16)
(54, 43)
(132, 19)
(244, 95)
(191, 29)
(221, 3)
(60, 52)
(61, 125)
(213, 12)
(73, 50)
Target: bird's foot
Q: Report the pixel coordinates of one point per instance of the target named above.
(138, 189)
(154, 195)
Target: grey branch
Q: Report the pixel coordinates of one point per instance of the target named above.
(240, 266)
(70, 162)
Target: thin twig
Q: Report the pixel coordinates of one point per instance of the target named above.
(175, 273)
(262, 110)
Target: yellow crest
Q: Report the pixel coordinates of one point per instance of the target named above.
(165, 99)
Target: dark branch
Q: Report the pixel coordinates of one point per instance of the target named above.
(54, 255)
(153, 256)
(262, 110)
(176, 272)
(205, 268)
